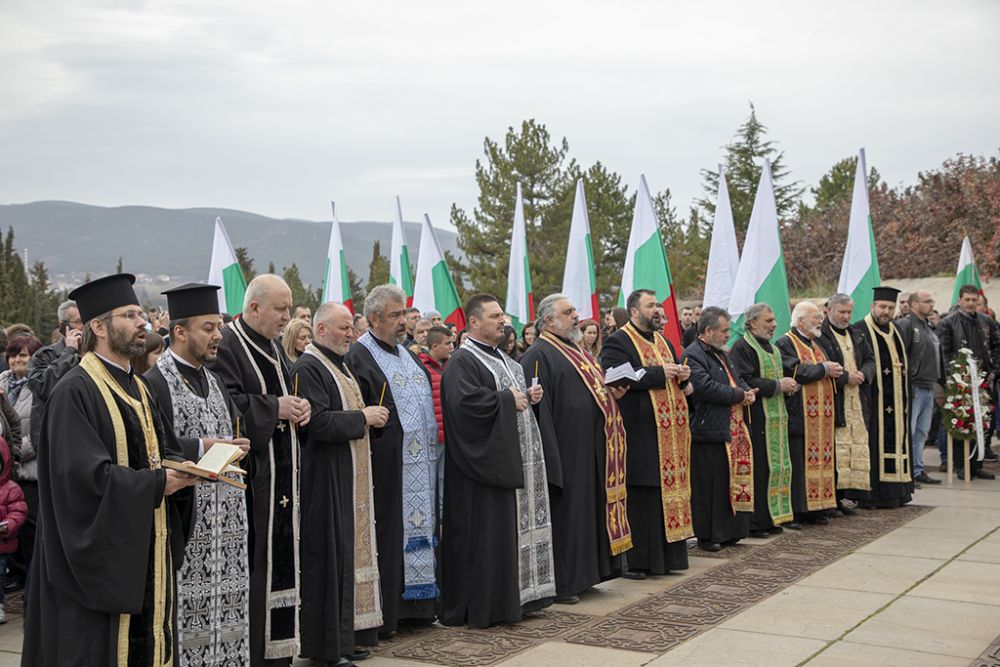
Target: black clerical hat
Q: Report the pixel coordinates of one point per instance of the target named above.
(886, 293)
(104, 295)
(192, 300)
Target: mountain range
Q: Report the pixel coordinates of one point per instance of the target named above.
(172, 246)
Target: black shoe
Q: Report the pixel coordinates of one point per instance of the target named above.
(794, 525)
(848, 511)
(836, 514)
(760, 533)
(386, 634)
(990, 455)
(343, 662)
(924, 478)
(775, 530)
(705, 545)
(635, 575)
(359, 655)
(982, 474)
(569, 599)
(943, 467)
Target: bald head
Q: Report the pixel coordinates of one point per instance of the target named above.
(333, 327)
(921, 303)
(266, 305)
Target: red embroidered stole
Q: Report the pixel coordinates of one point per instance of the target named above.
(740, 452)
(819, 423)
(673, 437)
(619, 532)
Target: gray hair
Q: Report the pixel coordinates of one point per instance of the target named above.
(546, 309)
(710, 318)
(260, 288)
(424, 320)
(800, 310)
(756, 311)
(431, 314)
(839, 299)
(325, 311)
(380, 295)
(62, 312)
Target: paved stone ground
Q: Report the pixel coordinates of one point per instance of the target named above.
(914, 586)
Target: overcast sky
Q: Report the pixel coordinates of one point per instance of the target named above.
(278, 107)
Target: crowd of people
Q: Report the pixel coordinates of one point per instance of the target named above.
(394, 471)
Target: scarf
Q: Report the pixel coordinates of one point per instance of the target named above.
(616, 516)
(410, 390)
(14, 388)
(779, 463)
(673, 438)
(739, 451)
(853, 457)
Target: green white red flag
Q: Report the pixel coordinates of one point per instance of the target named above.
(579, 278)
(336, 284)
(400, 272)
(859, 273)
(968, 273)
(224, 270)
(520, 302)
(434, 288)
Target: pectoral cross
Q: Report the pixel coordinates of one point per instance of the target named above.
(281, 426)
(889, 409)
(283, 502)
(417, 518)
(886, 371)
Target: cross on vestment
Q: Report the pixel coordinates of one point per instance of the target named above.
(417, 518)
(281, 426)
(414, 448)
(283, 502)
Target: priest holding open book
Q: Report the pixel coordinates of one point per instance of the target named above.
(213, 585)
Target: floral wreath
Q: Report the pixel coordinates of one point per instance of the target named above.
(958, 411)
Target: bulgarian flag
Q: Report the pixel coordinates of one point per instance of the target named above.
(723, 253)
(967, 273)
(336, 284)
(434, 289)
(859, 273)
(646, 264)
(520, 301)
(224, 270)
(579, 279)
(761, 276)
(400, 272)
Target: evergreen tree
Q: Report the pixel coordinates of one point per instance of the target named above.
(302, 294)
(837, 185)
(609, 209)
(530, 157)
(15, 295)
(357, 289)
(120, 266)
(271, 269)
(246, 264)
(378, 268)
(743, 163)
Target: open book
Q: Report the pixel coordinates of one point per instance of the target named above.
(619, 375)
(213, 466)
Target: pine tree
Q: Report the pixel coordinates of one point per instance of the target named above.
(609, 209)
(837, 185)
(378, 268)
(743, 163)
(530, 157)
(15, 296)
(357, 289)
(302, 294)
(246, 264)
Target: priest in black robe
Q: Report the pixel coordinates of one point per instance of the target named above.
(589, 527)
(111, 519)
(496, 546)
(889, 421)
(717, 517)
(253, 367)
(330, 476)
(653, 476)
(384, 307)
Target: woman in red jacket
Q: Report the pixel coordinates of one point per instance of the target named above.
(13, 511)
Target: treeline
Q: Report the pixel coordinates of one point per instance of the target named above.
(26, 296)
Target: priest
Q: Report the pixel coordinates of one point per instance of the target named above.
(810, 415)
(496, 548)
(585, 453)
(404, 461)
(847, 347)
(111, 518)
(213, 584)
(890, 480)
(722, 454)
(340, 593)
(251, 364)
(760, 366)
(655, 414)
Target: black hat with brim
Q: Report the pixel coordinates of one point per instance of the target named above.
(104, 295)
(192, 300)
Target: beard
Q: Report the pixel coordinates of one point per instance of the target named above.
(126, 344)
(654, 323)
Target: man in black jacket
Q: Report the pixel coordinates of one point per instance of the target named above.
(51, 362)
(923, 352)
(967, 328)
(721, 457)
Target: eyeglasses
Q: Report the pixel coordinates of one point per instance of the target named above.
(130, 315)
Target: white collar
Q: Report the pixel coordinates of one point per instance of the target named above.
(180, 360)
(111, 363)
(474, 339)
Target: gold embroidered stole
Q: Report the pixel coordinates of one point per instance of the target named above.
(619, 532)
(740, 452)
(367, 593)
(819, 425)
(853, 459)
(900, 452)
(162, 571)
(673, 438)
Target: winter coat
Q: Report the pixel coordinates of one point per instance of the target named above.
(25, 463)
(435, 369)
(713, 397)
(13, 509)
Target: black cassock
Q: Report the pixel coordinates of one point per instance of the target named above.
(94, 550)
(572, 429)
(747, 364)
(483, 469)
(650, 550)
(327, 546)
(259, 405)
(387, 478)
